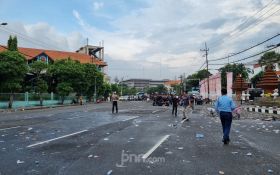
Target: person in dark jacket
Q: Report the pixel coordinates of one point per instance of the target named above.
(175, 102)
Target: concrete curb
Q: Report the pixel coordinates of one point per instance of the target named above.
(39, 108)
(264, 109)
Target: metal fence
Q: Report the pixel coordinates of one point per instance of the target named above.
(22, 100)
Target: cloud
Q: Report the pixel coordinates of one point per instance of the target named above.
(160, 35)
(41, 35)
(97, 5)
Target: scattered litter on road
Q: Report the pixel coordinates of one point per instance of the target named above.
(221, 172)
(30, 129)
(169, 152)
(187, 161)
(36, 162)
(199, 135)
(109, 172)
(249, 154)
(95, 156)
(2, 141)
(237, 131)
(21, 133)
(276, 131)
(90, 156)
(131, 138)
(270, 171)
(20, 162)
(107, 133)
(180, 148)
(234, 152)
(106, 139)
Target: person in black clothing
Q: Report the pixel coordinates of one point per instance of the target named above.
(175, 102)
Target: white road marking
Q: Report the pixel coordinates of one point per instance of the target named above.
(130, 118)
(155, 147)
(9, 128)
(47, 141)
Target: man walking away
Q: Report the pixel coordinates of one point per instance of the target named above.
(187, 106)
(175, 101)
(224, 106)
(115, 99)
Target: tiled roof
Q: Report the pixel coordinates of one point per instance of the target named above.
(172, 82)
(31, 53)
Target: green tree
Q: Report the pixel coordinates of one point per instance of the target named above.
(255, 79)
(63, 90)
(269, 58)
(12, 43)
(92, 76)
(13, 68)
(236, 69)
(72, 72)
(161, 89)
(193, 79)
(115, 88)
(39, 69)
(41, 87)
(105, 90)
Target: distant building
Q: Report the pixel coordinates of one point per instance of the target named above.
(169, 84)
(140, 84)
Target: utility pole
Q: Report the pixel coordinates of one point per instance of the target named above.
(181, 84)
(206, 50)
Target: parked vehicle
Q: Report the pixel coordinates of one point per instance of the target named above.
(124, 98)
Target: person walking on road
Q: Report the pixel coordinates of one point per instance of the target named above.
(175, 102)
(115, 99)
(224, 106)
(187, 108)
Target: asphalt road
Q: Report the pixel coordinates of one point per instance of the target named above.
(140, 139)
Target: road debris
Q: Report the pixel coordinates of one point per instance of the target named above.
(221, 172)
(109, 172)
(20, 162)
(234, 152)
(270, 171)
(180, 148)
(248, 154)
(169, 152)
(199, 135)
(90, 156)
(29, 129)
(106, 139)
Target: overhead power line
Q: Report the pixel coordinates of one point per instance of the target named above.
(245, 49)
(278, 45)
(30, 39)
(255, 21)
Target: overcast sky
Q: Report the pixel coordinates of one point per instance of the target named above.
(155, 39)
